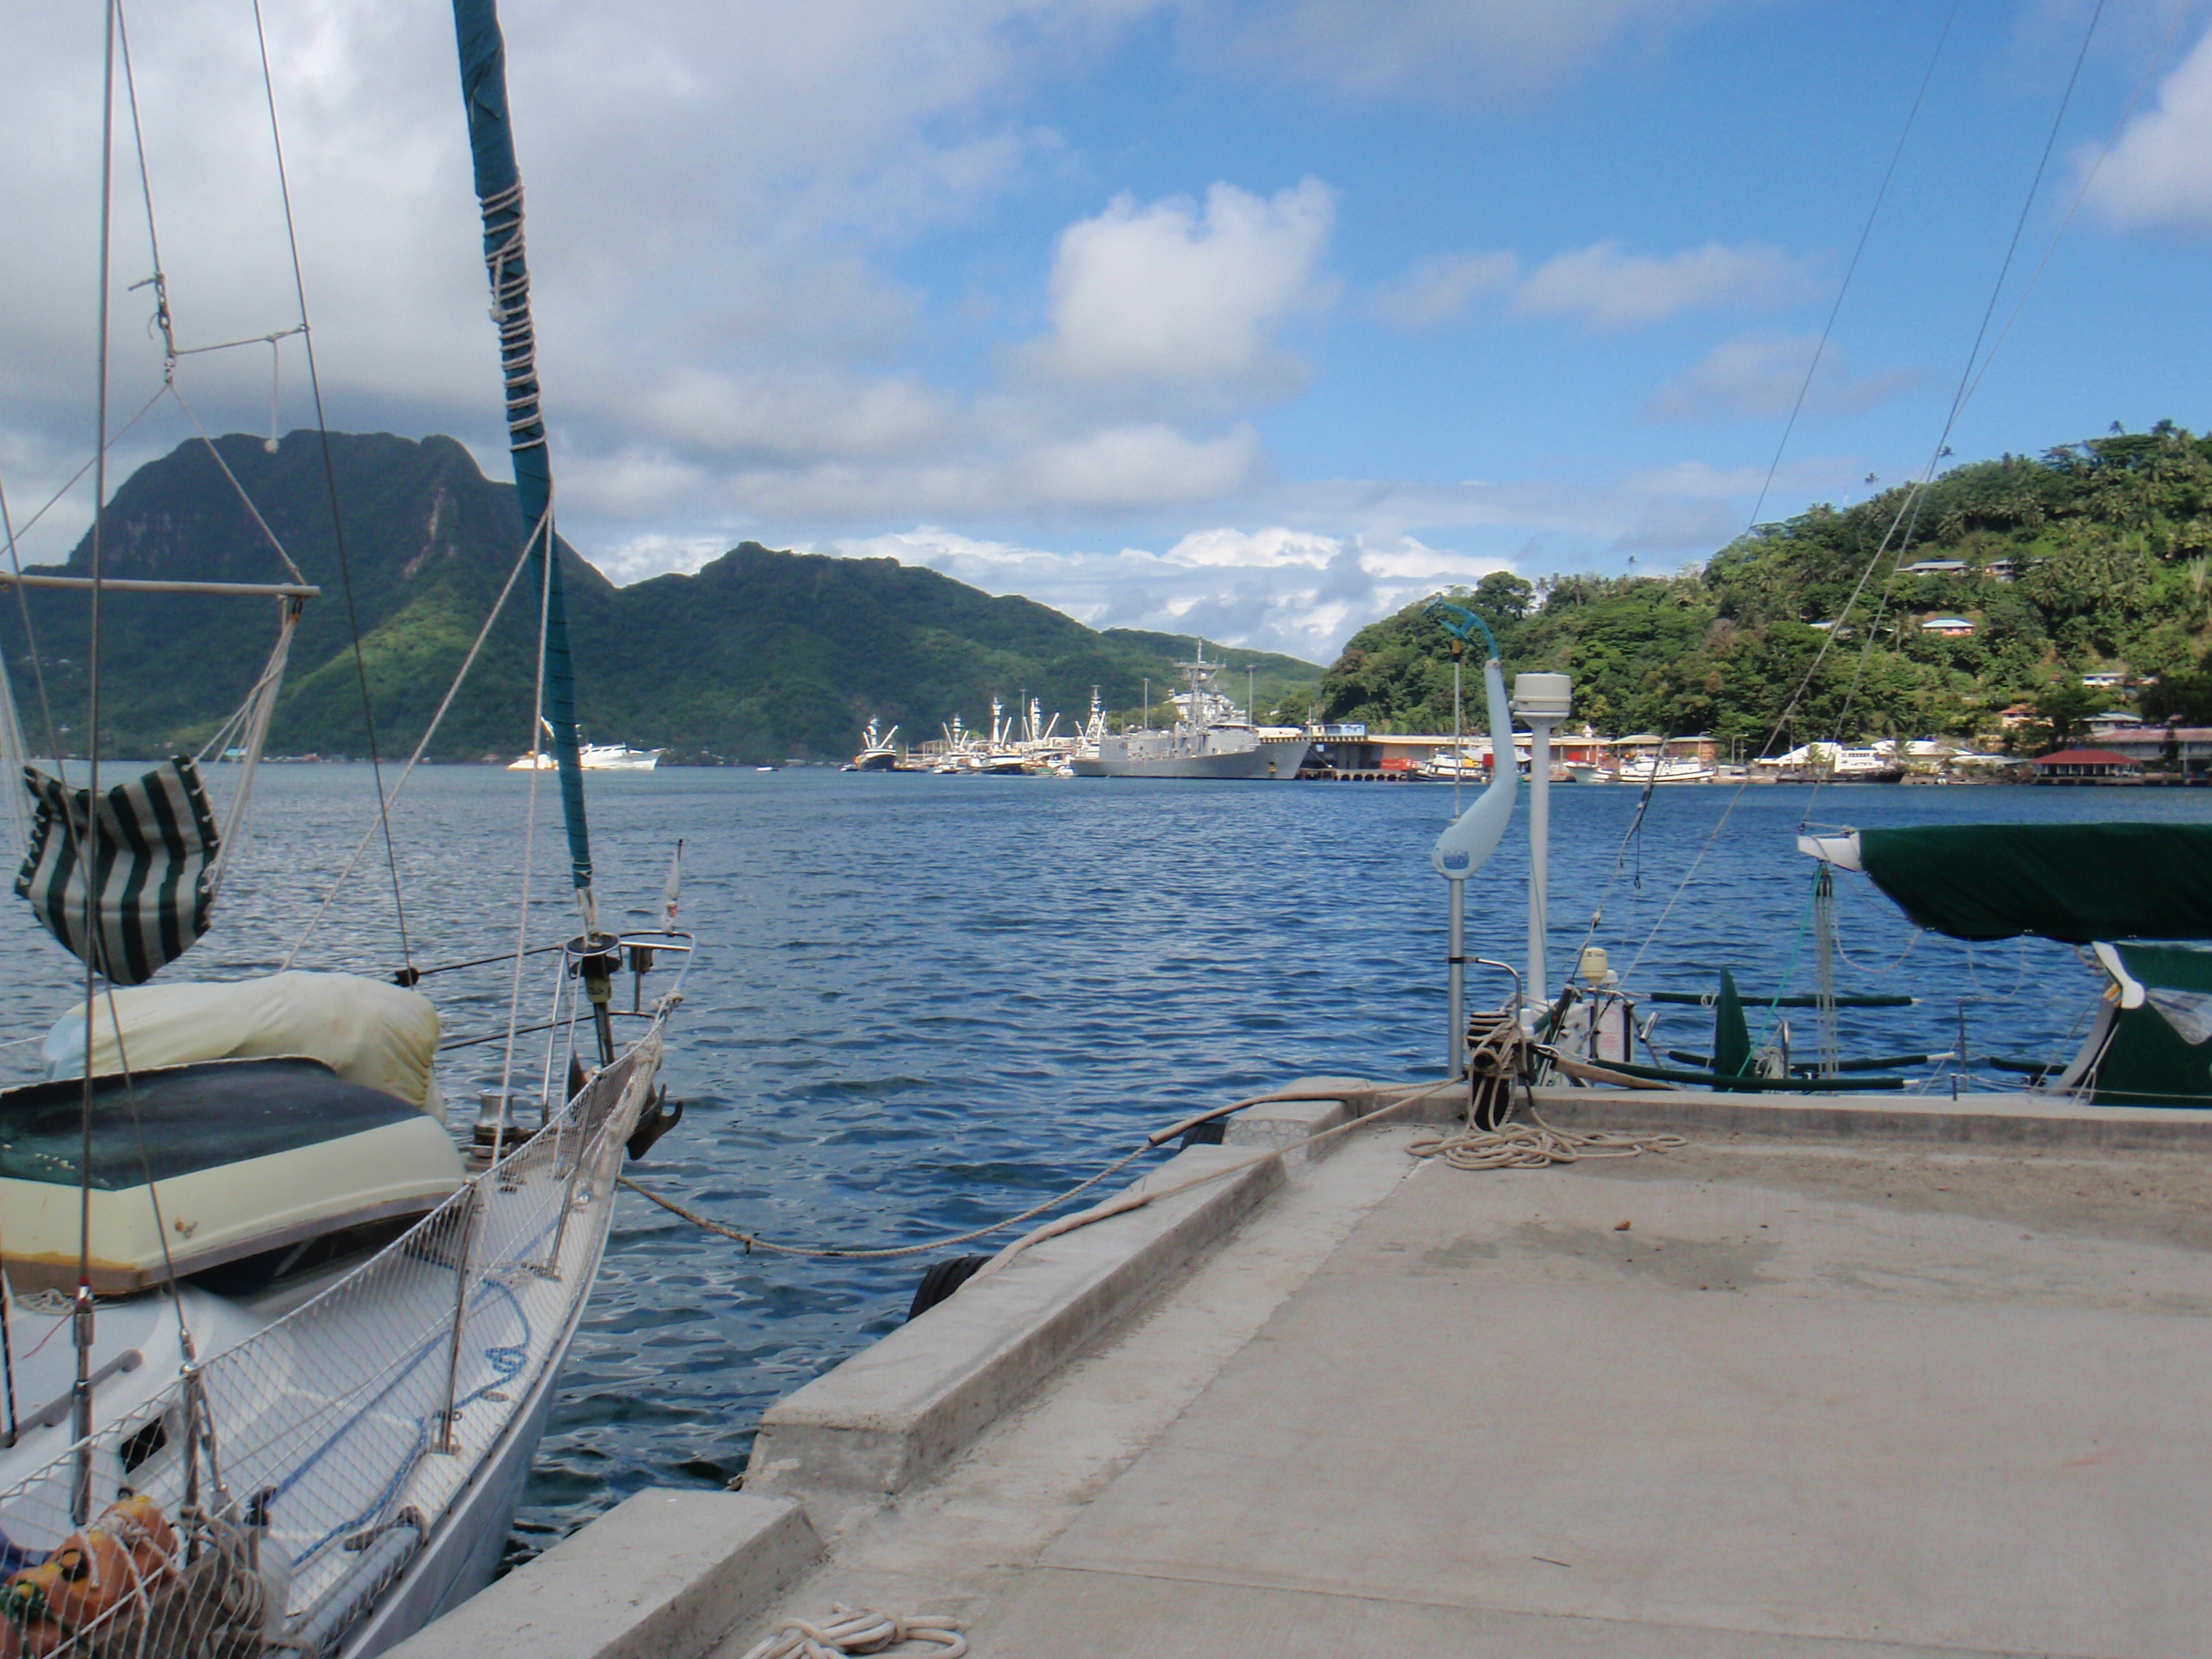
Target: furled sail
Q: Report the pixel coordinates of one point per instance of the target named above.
(499, 194)
(151, 892)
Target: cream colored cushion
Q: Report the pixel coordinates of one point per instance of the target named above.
(367, 1030)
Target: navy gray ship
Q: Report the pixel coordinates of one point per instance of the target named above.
(1210, 737)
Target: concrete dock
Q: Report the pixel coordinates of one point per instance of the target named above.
(1853, 1379)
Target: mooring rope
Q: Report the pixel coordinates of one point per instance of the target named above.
(754, 1241)
(1115, 1206)
(1535, 1144)
(859, 1630)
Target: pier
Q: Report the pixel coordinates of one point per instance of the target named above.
(1841, 1377)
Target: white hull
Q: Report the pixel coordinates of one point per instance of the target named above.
(338, 1404)
(596, 757)
(1668, 771)
(463, 1552)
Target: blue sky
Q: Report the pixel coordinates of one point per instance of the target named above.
(1258, 320)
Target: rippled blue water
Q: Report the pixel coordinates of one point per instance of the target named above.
(925, 1002)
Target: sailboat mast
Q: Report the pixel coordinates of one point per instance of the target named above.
(499, 192)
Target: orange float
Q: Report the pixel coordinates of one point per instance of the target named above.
(121, 1558)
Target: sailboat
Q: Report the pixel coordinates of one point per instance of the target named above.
(274, 1356)
(2135, 898)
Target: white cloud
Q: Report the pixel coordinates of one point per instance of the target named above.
(1604, 287)
(1303, 584)
(2158, 176)
(712, 186)
(1108, 470)
(1760, 375)
(1165, 297)
(1451, 50)
(723, 194)
(646, 556)
(1609, 289)
(1265, 549)
(1437, 291)
(1272, 589)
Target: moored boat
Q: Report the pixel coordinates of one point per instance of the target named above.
(1664, 769)
(278, 1355)
(1211, 740)
(877, 753)
(593, 757)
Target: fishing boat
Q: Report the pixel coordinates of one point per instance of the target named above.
(275, 1354)
(1464, 766)
(1664, 769)
(1001, 756)
(877, 753)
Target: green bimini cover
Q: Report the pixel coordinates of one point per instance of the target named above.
(2073, 882)
(2159, 1052)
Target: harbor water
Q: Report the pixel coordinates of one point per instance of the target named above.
(923, 1003)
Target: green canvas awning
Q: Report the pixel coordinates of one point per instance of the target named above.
(2072, 882)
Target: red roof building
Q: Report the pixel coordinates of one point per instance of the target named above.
(2087, 763)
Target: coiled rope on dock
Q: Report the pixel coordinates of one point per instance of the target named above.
(859, 1630)
(1535, 1144)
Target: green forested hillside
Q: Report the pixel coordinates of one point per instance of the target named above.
(759, 656)
(1274, 678)
(2095, 556)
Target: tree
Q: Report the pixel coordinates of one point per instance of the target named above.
(2062, 715)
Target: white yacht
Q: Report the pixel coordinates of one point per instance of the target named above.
(592, 757)
(1464, 766)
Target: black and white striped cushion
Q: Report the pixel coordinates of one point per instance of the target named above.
(157, 838)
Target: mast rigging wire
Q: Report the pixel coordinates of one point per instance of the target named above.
(1914, 495)
(1968, 378)
(529, 850)
(331, 481)
(1880, 194)
(422, 745)
(81, 1322)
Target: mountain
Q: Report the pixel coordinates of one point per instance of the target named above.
(757, 656)
(2094, 557)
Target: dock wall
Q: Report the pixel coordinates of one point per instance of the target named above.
(665, 1575)
(894, 1411)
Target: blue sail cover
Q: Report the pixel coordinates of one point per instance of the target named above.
(499, 192)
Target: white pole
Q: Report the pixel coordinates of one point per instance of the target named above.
(1539, 852)
(1456, 952)
(1543, 700)
(1457, 1052)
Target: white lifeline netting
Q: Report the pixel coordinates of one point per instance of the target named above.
(270, 1501)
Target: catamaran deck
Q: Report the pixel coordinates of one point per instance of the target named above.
(1843, 1385)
